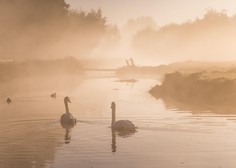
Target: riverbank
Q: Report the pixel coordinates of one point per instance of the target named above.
(202, 91)
(136, 72)
(40, 68)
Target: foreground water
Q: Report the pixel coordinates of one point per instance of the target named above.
(167, 137)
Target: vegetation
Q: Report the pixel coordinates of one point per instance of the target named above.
(210, 37)
(201, 89)
(38, 29)
(187, 67)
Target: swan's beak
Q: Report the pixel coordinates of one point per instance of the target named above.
(69, 100)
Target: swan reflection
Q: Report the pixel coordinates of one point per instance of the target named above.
(68, 135)
(123, 134)
(113, 144)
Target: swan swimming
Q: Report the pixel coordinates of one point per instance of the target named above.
(67, 119)
(121, 125)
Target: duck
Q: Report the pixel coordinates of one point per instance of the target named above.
(53, 95)
(67, 119)
(121, 125)
(9, 100)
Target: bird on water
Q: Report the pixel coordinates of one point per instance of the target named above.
(53, 95)
(121, 125)
(9, 100)
(67, 119)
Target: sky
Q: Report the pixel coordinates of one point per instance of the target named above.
(163, 11)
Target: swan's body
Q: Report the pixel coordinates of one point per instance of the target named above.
(67, 119)
(8, 100)
(121, 125)
(124, 125)
(53, 95)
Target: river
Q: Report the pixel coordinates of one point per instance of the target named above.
(167, 137)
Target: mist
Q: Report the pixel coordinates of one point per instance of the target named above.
(48, 29)
(32, 29)
(78, 91)
(210, 38)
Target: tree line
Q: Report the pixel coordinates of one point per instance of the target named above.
(211, 37)
(48, 29)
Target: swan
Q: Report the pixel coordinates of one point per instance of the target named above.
(67, 119)
(121, 125)
(8, 100)
(53, 95)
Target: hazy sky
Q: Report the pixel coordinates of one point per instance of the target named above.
(163, 11)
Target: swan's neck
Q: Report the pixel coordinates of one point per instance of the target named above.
(66, 106)
(113, 120)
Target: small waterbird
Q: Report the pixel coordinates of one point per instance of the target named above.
(53, 95)
(9, 100)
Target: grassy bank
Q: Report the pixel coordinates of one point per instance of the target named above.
(135, 72)
(202, 90)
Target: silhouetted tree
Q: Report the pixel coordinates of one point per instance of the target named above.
(47, 28)
(27, 24)
(134, 25)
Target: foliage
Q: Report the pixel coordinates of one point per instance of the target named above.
(47, 29)
(198, 88)
(209, 37)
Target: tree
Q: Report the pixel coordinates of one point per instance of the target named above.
(47, 29)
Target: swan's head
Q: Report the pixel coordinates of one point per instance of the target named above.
(67, 99)
(113, 105)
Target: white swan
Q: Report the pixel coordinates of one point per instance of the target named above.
(67, 119)
(121, 125)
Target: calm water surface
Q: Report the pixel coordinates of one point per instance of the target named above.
(167, 137)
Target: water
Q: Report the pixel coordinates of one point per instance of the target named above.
(167, 136)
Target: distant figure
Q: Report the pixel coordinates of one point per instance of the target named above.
(67, 119)
(53, 95)
(9, 100)
(127, 62)
(121, 125)
(132, 62)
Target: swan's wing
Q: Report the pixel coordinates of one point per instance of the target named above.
(124, 125)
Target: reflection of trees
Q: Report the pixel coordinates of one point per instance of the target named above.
(201, 107)
(30, 146)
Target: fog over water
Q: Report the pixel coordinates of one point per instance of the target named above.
(80, 90)
(60, 31)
